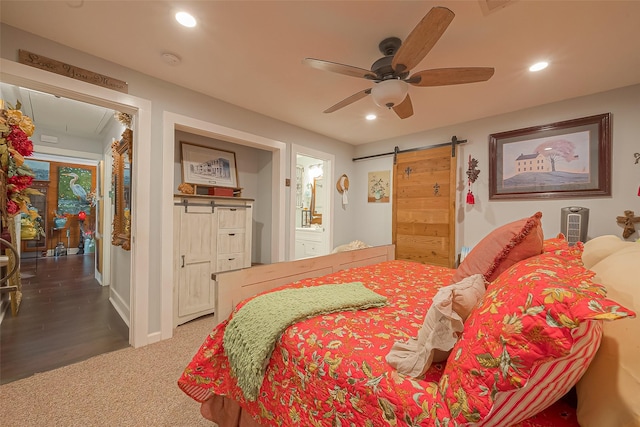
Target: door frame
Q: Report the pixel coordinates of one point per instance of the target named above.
(328, 160)
(34, 78)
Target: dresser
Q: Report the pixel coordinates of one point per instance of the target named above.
(211, 235)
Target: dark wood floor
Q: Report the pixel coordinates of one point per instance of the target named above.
(65, 317)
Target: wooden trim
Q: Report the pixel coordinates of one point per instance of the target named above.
(235, 286)
(452, 207)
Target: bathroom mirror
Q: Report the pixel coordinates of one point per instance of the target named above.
(122, 152)
(317, 196)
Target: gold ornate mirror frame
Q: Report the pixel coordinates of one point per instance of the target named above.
(122, 152)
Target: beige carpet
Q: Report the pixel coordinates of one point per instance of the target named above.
(129, 387)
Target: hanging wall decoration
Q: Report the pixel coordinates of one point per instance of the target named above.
(74, 186)
(472, 175)
(628, 221)
(343, 188)
(379, 187)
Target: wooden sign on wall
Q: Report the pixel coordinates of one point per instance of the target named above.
(48, 64)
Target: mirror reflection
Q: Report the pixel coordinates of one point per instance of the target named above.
(122, 158)
(317, 196)
(308, 192)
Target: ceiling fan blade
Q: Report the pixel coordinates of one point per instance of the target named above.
(350, 100)
(422, 39)
(339, 68)
(451, 76)
(405, 108)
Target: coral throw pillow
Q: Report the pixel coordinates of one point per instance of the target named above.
(539, 324)
(502, 248)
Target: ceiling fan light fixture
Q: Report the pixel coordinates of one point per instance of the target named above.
(389, 93)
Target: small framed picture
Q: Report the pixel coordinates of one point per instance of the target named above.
(208, 166)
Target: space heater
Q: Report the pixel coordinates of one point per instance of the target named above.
(574, 222)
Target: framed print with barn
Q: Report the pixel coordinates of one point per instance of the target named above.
(557, 160)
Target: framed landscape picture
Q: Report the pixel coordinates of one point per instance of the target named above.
(40, 169)
(208, 166)
(557, 160)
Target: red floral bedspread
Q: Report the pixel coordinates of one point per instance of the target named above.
(331, 370)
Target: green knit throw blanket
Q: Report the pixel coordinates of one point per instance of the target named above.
(252, 332)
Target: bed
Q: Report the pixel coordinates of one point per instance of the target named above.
(526, 342)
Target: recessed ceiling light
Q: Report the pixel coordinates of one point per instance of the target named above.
(371, 117)
(539, 66)
(186, 19)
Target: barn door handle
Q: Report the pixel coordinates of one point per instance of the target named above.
(182, 262)
(232, 234)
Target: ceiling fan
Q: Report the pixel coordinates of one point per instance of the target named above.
(391, 72)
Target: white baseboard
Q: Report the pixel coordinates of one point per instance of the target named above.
(154, 337)
(121, 308)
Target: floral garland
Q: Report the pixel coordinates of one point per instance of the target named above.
(15, 130)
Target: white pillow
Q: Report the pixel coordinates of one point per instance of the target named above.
(441, 329)
(601, 247)
(609, 392)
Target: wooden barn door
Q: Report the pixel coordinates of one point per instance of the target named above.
(424, 195)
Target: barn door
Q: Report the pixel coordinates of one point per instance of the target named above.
(424, 194)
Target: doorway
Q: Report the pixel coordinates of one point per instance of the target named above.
(138, 283)
(311, 203)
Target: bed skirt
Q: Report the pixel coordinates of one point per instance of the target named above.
(226, 412)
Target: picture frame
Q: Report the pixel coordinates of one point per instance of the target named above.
(565, 159)
(379, 187)
(40, 169)
(74, 186)
(208, 166)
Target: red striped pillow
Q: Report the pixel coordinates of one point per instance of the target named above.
(549, 381)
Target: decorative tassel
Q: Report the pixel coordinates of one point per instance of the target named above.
(471, 200)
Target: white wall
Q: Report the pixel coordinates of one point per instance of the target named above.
(475, 221)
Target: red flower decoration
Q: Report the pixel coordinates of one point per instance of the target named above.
(20, 141)
(20, 182)
(12, 207)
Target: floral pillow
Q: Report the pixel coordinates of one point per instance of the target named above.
(540, 312)
(558, 243)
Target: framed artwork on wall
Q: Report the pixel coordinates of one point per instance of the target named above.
(74, 186)
(378, 188)
(208, 166)
(557, 160)
(40, 169)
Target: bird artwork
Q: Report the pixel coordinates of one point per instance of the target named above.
(76, 188)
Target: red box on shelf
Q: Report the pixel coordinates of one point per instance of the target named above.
(221, 191)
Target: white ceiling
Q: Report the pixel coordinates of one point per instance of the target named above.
(62, 115)
(250, 53)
